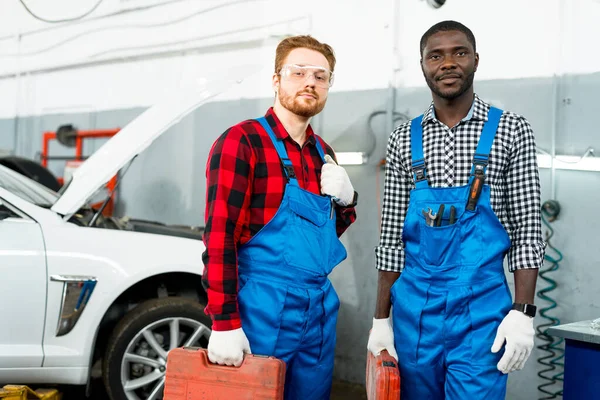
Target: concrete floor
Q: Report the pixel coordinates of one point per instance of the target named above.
(347, 391)
(341, 390)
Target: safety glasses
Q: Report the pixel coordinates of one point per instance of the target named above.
(300, 73)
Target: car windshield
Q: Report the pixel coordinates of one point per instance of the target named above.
(26, 188)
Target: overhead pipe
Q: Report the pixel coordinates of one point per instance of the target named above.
(556, 80)
(391, 100)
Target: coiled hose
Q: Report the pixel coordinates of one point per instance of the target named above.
(553, 346)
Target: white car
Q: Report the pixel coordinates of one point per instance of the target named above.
(77, 288)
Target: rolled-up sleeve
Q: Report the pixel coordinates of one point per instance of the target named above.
(523, 202)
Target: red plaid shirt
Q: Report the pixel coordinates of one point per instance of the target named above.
(245, 185)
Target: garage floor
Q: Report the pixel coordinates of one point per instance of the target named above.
(341, 391)
(347, 391)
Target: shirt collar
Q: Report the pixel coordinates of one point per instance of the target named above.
(279, 129)
(478, 111)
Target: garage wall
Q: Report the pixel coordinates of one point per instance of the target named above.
(106, 61)
(167, 184)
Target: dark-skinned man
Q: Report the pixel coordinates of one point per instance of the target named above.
(462, 193)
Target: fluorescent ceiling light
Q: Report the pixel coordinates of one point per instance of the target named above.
(569, 162)
(351, 158)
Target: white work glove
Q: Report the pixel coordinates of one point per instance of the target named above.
(517, 329)
(228, 347)
(382, 338)
(336, 183)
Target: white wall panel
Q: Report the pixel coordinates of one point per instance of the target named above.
(516, 39)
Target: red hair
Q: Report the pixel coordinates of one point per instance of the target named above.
(304, 41)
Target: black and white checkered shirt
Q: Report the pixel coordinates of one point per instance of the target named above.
(512, 175)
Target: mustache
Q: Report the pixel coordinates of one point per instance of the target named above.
(449, 75)
(311, 92)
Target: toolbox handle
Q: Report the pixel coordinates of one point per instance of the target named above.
(208, 363)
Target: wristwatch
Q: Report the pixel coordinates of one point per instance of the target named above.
(527, 309)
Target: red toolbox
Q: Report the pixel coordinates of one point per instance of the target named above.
(191, 376)
(383, 377)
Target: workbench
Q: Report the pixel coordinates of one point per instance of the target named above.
(582, 360)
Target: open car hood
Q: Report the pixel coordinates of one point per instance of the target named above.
(136, 136)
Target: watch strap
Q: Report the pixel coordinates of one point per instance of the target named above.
(527, 309)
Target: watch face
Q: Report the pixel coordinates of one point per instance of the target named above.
(529, 310)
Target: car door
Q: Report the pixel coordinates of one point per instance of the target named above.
(22, 289)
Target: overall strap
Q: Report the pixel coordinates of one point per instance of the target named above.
(482, 153)
(320, 149)
(416, 148)
(482, 156)
(288, 168)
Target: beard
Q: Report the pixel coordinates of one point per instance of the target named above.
(451, 93)
(299, 106)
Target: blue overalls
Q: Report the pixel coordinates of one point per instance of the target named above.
(452, 295)
(287, 304)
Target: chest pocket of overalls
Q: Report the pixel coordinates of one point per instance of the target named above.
(447, 244)
(307, 247)
(440, 245)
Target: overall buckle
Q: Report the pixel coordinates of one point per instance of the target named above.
(289, 170)
(480, 162)
(419, 168)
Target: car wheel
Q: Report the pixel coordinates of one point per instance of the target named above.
(136, 354)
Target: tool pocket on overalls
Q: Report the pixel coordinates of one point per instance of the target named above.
(485, 320)
(440, 245)
(307, 227)
(260, 305)
(408, 297)
(328, 321)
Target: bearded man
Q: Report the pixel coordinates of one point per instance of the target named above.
(276, 205)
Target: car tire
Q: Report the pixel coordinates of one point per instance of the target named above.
(139, 343)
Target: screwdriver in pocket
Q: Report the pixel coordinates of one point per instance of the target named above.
(440, 214)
